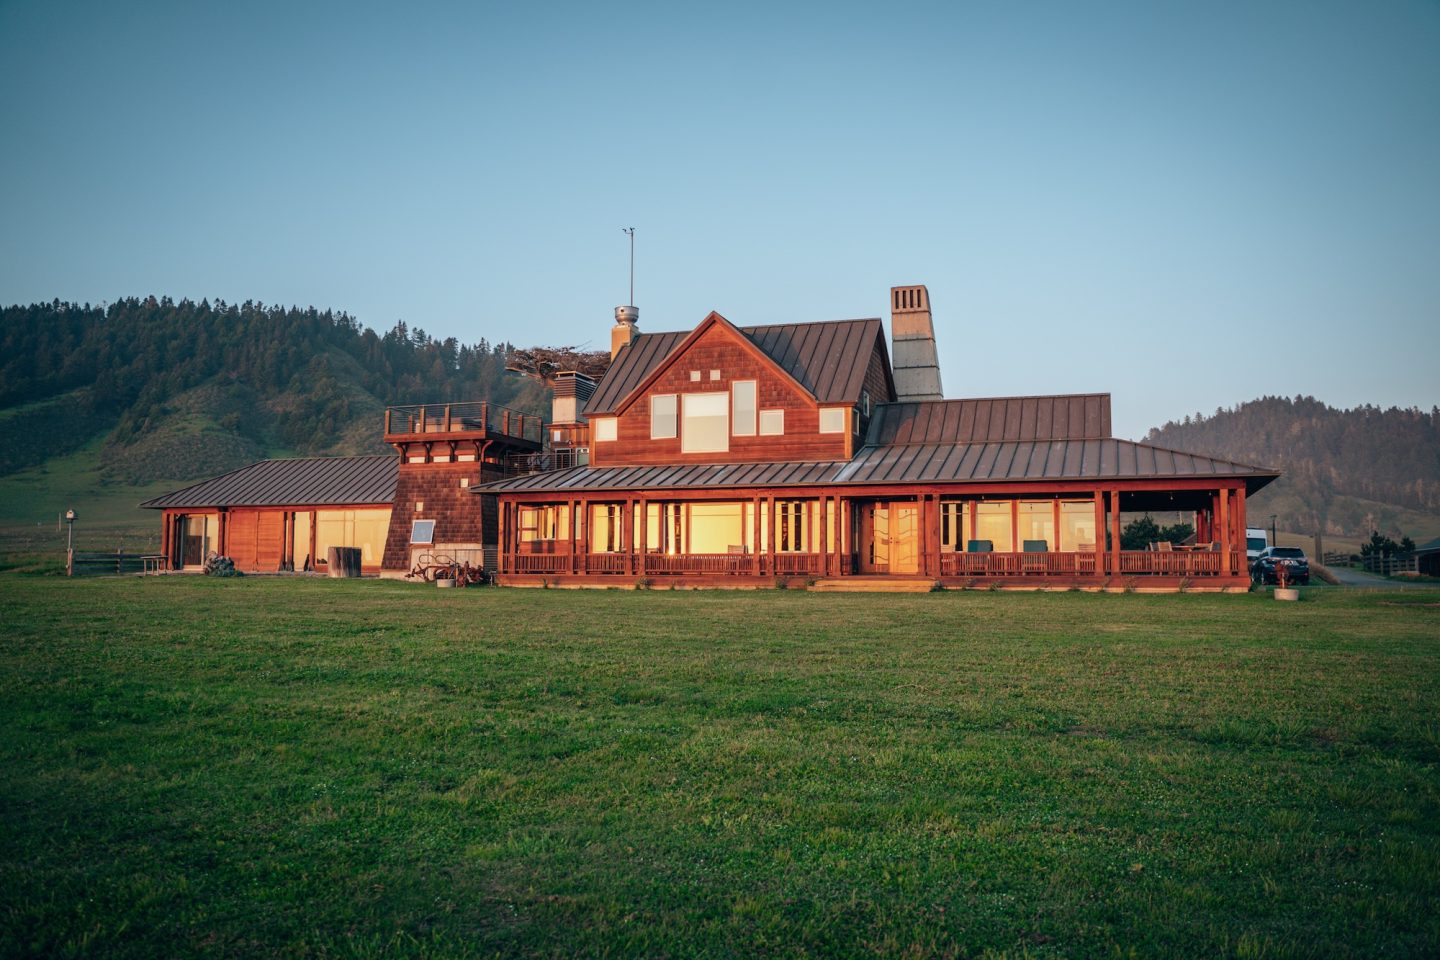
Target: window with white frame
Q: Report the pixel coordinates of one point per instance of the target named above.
(706, 426)
(742, 398)
(604, 428)
(422, 531)
(832, 419)
(663, 416)
(772, 423)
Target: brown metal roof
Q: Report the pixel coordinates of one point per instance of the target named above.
(829, 358)
(1083, 416)
(312, 481)
(927, 463)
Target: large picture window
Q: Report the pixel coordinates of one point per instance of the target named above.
(743, 395)
(663, 417)
(607, 531)
(706, 426)
(1036, 522)
(365, 529)
(993, 523)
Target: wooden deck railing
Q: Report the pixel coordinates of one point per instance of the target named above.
(488, 419)
(1197, 563)
(673, 564)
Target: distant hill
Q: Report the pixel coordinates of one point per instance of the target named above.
(179, 390)
(1347, 472)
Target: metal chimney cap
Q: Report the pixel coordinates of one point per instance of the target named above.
(627, 315)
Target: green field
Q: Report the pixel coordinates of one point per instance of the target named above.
(302, 767)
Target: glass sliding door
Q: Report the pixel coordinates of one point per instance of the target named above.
(195, 541)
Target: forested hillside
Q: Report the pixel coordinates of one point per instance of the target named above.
(182, 389)
(1347, 472)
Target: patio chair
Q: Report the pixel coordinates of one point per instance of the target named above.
(979, 546)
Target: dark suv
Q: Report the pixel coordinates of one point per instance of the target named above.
(1266, 569)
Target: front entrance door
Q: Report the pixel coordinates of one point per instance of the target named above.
(889, 537)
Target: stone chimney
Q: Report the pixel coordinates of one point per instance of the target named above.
(623, 332)
(912, 345)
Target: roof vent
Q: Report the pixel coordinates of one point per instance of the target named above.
(912, 343)
(624, 330)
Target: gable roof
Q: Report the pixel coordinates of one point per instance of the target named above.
(1087, 459)
(713, 321)
(1080, 416)
(310, 481)
(828, 358)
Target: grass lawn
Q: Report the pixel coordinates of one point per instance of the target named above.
(319, 768)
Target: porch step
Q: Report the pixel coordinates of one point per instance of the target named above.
(874, 585)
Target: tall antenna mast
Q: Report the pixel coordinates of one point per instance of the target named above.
(631, 231)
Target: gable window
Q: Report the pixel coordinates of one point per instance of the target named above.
(422, 531)
(662, 417)
(604, 428)
(832, 419)
(772, 423)
(707, 423)
(742, 393)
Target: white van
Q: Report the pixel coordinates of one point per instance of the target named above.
(1256, 539)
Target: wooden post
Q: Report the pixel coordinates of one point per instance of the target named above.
(1240, 527)
(503, 560)
(1226, 531)
(770, 525)
(1100, 560)
(1115, 567)
(422, 420)
(573, 523)
(387, 421)
(447, 418)
(643, 523)
(755, 540)
(824, 537)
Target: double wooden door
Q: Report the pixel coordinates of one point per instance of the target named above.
(889, 537)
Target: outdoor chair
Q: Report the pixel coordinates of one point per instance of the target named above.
(979, 546)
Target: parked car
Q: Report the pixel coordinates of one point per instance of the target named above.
(1267, 565)
(1257, 539)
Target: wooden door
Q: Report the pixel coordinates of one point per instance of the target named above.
(889, 537)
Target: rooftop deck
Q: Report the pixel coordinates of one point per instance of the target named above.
(467, 421)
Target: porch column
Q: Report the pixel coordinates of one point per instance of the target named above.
(223, 534)
(1240, 524)
(627, 533)
(584, 521)
(930, 516)
(573, 507)
(823, 549)
(1226, 531)
(770, 527)
(755, 542)
(644, 534)
(1099, 545)
(503, 558)
(1115, 568)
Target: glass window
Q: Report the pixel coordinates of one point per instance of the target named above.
(707, 423)
(606, 528)
(772, 423)
(545, 522)
(1036, 521)
(954, 525)
(793, 519)
(604, 428)
(422, 531)
(742, 393)
(365, 529)
(300, 548)
(195, 545)
(832, 419)
(1077, 526)
(662, 417)
(992, 522)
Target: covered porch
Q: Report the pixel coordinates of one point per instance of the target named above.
(999, 535)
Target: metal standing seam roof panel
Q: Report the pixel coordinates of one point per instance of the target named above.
(313, 481)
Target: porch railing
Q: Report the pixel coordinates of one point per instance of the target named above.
(673, 564)
(1196, 563)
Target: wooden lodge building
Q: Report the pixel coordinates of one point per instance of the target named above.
(796, 454)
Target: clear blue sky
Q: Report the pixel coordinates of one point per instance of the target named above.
(1188, 205)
